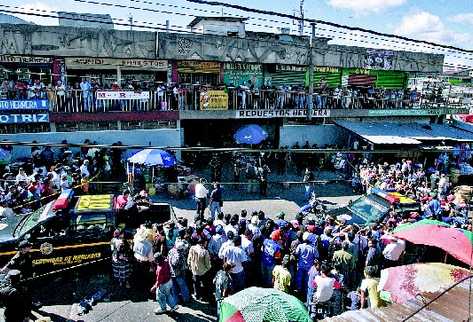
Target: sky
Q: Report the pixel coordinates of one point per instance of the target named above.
(441, 21)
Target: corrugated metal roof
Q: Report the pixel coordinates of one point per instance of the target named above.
(451, 306)
(405, 133)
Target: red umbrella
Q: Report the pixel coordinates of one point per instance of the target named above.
(456, 242)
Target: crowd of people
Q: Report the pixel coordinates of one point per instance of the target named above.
(329, 264)
(28, 184)
(81, 95)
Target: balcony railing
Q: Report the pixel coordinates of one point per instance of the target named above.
(74, 101)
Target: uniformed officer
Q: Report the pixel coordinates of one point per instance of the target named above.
(15, 298)
(22, 260)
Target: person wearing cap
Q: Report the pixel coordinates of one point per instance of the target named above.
(163, 285)
(281, 275)
(305, 253)
(177, 258)
(271, 251)
(22, 260)
(15, 298)
(223, 285)
(143, 253)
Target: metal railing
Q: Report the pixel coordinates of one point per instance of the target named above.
(188, 98)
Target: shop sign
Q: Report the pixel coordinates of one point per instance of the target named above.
(24, 104)
(24, 59)
(289, 113)
(417, 112)
(188, 66)
(243, 66)
(323, 69)
(24, 118)
(111, 63)
(290, 68)
(122, 95)
(213, 100)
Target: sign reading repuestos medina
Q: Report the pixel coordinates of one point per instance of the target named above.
(290, 113)
(24, 118)
(24, 104)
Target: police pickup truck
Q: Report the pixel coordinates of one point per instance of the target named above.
(72, 231)
(375, 206)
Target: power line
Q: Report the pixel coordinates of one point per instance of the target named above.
(44, 13)
(318, 21)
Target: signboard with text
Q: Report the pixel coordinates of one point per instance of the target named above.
(112, 63)
(289, 113)
(25, 59)
(24, 118)
(417, 112)
(213, 100)
(24, 104)
(122, 95)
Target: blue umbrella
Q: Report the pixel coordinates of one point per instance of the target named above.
(152, 157)
(250, 134)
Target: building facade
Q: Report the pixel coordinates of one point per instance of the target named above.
(199, 88)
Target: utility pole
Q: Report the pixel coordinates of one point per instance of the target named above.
(130, 20)
(301, 22)
(310, 99)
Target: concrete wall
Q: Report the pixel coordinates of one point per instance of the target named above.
(158, 137)
(86, 42)
(286, 49)
(315, 134)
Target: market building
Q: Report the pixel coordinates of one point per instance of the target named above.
(187, 89)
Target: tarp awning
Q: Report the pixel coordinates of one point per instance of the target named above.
(405, 133)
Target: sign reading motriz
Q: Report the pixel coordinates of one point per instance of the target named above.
(280, 113)
(24, 118)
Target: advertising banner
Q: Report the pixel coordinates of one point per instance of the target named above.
(39, 104)
(122, 95)
(24, 118)
(112, 63)
(214, 100)
(292, 113)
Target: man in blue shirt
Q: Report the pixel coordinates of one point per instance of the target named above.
(271, 252)
(306, 253)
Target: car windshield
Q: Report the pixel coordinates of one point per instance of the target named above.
(32, 219)
(368, 209)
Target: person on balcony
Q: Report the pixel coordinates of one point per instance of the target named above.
(86, 89)
(60, 90)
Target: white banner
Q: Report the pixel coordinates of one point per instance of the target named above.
(122, 95)
(261, 114)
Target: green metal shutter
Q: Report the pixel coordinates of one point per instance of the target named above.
(291, 78)
(389, 79)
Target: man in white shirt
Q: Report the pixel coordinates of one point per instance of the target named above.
(236, 256)
(393, 251)
(323, 285)
(201, 197)
(21, 176)
(84, 169)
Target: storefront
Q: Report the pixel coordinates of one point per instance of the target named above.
(197, 73)
(237, 74)
(24, 68)
(278, 75)
(109, 70)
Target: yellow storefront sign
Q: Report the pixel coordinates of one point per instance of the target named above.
(214, 100)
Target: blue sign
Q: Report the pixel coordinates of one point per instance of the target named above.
(38, 104)
(24, 118)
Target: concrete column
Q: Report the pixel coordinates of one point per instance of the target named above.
(119, 75)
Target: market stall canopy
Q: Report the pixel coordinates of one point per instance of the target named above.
(405, 133)
(152, 157)
(256, 304)
(401, 284)
(456, 242)
(250, 134)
